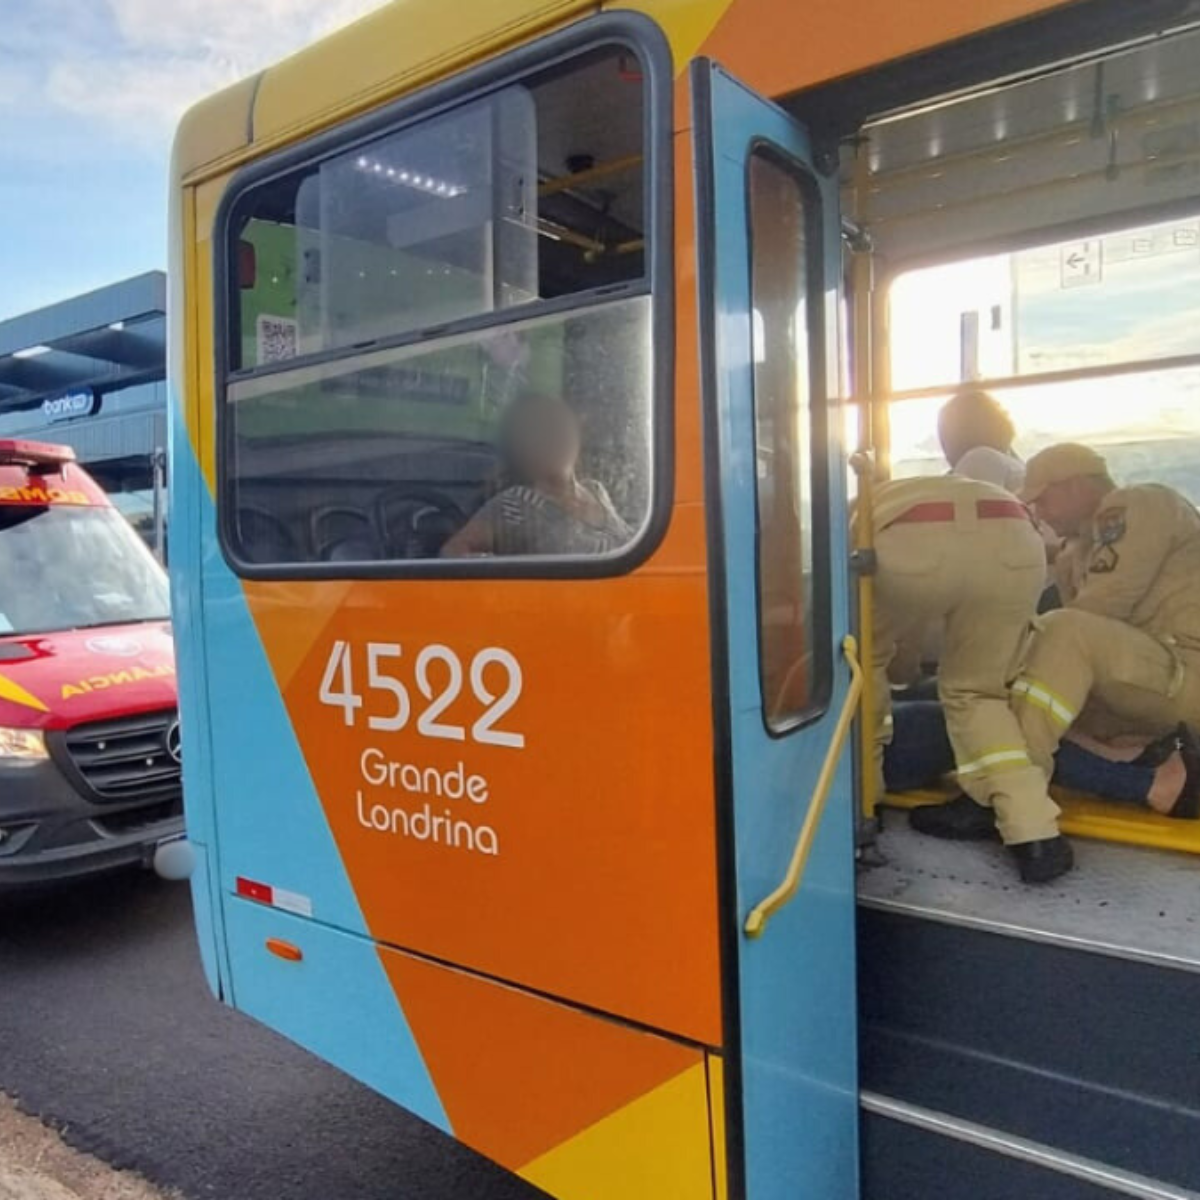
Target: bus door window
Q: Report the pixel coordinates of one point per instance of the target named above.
(789, 438)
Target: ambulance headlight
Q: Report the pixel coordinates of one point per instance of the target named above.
(22, 744)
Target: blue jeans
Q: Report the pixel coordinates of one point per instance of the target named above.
(920, 754)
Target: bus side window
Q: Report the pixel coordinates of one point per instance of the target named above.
(396, 320)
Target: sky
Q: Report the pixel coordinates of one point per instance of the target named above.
(90, 92)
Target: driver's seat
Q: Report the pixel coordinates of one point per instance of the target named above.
(415, 522)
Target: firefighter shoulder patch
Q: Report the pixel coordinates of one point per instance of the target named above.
(1110, 526)
(1110, 529)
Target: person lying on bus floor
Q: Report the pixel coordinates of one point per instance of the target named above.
(1162, 775)
(541, 506)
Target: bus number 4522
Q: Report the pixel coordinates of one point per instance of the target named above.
(440, 687)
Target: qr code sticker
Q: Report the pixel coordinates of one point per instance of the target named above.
(277, 338)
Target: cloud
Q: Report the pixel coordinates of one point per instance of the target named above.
(139, 100)
(136, 70)
(17, 83)
(253, 32)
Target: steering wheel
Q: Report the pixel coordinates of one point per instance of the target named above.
(416, 520)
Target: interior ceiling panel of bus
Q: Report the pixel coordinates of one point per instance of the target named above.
(574, 127)
(1088, 142)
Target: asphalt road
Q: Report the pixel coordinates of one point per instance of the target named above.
(108, 1032)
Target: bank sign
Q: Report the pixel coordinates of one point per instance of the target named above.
(82, 403)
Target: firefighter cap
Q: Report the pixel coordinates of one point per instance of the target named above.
(1056, 464)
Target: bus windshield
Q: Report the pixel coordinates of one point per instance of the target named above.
(71, 568)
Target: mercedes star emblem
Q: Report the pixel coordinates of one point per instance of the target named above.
(173, 742)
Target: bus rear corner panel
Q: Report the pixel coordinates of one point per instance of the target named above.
(583, 1107)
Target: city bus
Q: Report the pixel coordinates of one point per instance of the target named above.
(525, 359)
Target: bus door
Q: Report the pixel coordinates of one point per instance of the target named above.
(787, 680)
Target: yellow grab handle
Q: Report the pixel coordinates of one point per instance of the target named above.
(762, 912)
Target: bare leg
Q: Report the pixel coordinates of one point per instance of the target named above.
(1169, 781)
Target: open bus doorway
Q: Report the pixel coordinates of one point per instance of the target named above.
(1040, 240)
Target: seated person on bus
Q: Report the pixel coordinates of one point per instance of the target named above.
(976, 435)
(541, 506)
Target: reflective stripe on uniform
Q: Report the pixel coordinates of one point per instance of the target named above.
(1041, 696)
(1009, 756)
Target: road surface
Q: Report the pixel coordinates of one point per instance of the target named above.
(107, 1031)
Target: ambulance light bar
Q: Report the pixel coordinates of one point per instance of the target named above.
(35, 453)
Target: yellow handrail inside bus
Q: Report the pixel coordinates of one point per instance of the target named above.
(762, 912)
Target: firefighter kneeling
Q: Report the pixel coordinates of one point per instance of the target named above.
(1122, 658)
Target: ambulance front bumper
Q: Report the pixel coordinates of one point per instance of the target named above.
(49, 832)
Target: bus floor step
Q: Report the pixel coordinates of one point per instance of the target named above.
(1090, 1052)
(911, 1152)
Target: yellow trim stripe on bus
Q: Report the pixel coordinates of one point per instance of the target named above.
(388, 53)
(655, 1147)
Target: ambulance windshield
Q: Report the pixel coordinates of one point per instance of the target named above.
(65, 567)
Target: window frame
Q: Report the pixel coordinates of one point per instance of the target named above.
(631, 32)
(821, 692)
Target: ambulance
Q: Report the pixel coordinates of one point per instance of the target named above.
(89, 728)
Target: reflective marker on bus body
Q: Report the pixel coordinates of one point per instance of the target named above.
(250, 890)
(264, 893)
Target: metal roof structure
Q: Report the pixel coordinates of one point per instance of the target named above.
(111, 338)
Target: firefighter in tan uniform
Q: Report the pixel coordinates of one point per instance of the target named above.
(967, 555)
(1123, 655)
